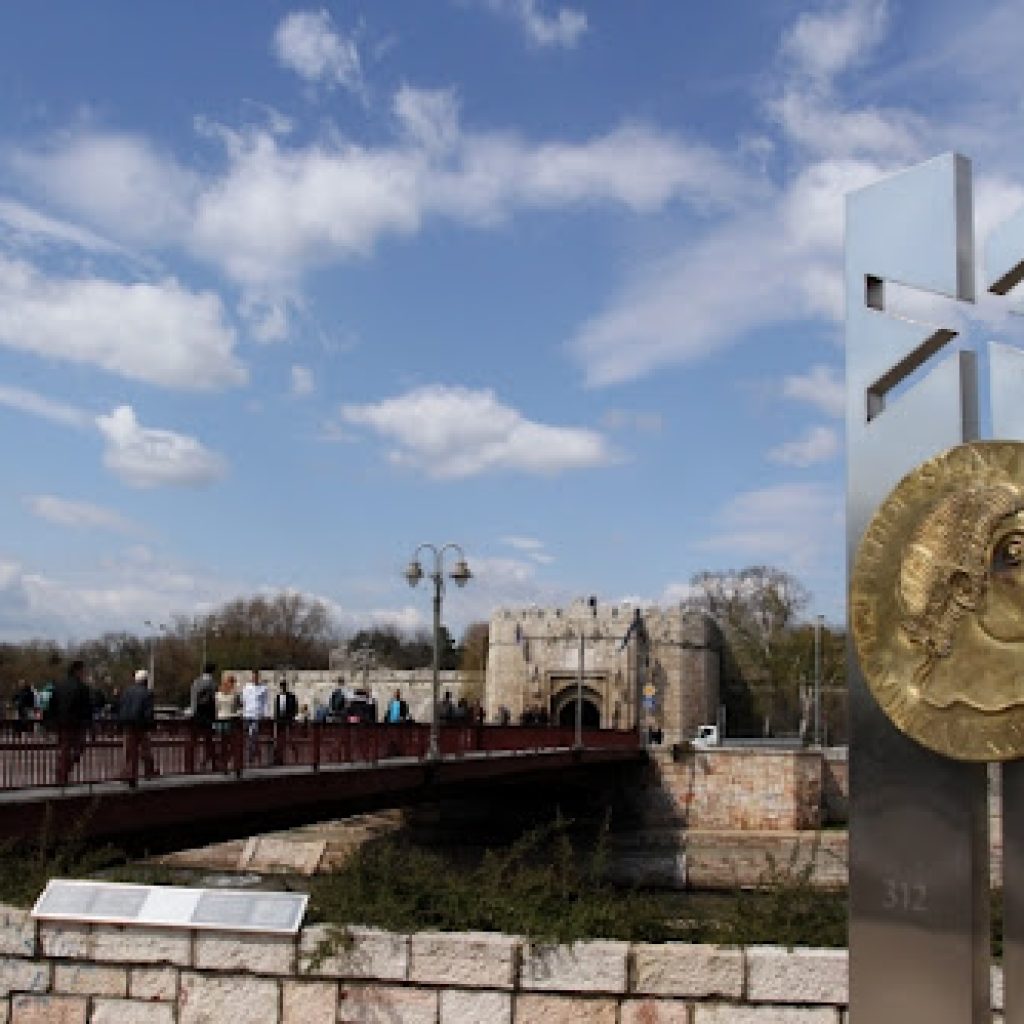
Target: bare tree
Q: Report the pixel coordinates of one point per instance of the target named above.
(766, 660)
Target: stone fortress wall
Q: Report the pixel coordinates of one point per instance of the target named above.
(533, 660)
(313, 687)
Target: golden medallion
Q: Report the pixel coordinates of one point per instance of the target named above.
(937, 603)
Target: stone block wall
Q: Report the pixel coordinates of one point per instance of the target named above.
(739, 788)
(835, 785)
(111, 975)
(313, 687)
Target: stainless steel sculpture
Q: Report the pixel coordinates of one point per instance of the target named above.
(918, 821)
(1004, 268)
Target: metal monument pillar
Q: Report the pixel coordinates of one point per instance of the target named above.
(1004, 267)
(918, 821)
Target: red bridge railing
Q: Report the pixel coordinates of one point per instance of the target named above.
(31, 756)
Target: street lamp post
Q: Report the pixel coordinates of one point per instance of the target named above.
(363, 657)
(208, 631)
(461, 575)
(578, 743)
(819, 620)
(162, 626)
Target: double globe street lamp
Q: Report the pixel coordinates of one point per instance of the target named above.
(461, 575)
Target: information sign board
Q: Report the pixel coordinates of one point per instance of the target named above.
(169, 906)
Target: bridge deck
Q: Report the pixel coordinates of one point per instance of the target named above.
(204, 780)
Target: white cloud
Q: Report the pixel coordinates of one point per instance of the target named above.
(120, 593)
(794, 525)
(777, 260)
(456, 432)
(117, 181)
(160, 333)
(144, 457)
(21, 224)
(530, 547)
(822, 386)
(819, 444)
(428, 117)
(824, 44)
(46, 408)
(817, 123)
(302, 382)
(528, 544)
(639, 167)
(78, 514)
(563, 28)
(309, 43)
(776, 264)
(278, 209)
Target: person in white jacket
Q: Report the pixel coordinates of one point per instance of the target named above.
(255, 705)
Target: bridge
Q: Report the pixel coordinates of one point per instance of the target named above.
(117, 782)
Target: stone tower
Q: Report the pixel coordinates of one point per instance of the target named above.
(534, 657)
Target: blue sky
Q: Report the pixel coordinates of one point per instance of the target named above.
(286, 291)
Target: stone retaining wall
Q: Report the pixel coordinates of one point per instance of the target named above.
(739, 788)
(104, 974)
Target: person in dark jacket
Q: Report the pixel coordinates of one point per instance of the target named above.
(135, 714)
(203, 702)
(69, 711)
(286, 707)
(24, 704)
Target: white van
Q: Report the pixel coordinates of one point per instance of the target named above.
(707, 736)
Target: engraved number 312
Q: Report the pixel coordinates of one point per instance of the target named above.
(905, 896)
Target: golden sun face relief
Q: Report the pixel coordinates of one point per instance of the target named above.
(937, 603)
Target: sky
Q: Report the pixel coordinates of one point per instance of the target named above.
(287, 291)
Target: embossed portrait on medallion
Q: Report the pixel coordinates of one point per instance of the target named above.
(937, 602)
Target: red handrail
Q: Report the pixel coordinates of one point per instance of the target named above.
(33, 755)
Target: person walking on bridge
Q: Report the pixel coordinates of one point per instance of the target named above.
(69, 711)
(203, 703)
(254, 708)
(135, 713)
(286, 707)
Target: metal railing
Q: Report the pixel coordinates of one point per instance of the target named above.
(104, 752)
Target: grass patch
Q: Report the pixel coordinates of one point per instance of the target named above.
(27, 865)
(550, 888)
